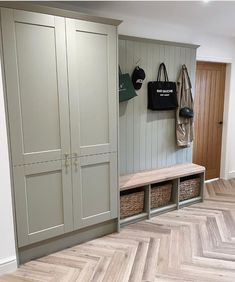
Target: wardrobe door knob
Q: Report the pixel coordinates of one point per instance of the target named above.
(76, 160)
(66, 160)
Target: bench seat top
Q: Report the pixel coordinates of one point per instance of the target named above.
(159, 175)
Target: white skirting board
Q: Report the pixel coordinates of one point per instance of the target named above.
(231, 174)
(211, 180)
(8, 265)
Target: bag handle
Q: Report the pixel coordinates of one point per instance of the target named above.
(185, 76)
(186, 71)
(119, 70)
(162, 70)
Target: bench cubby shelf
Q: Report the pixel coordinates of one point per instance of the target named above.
(147, 179)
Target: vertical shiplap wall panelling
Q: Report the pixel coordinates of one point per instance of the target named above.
(143, 111)
(147, 138)
(136, 121)
(160, 115)
(149, 118)
(188, 63)
(183, 154)
(130, 112)
(122, 112)
(183, 58)
(155, 52)
(170, 118)
(174, 69)
(177, 62)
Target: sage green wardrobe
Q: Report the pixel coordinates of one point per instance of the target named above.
(62, 104)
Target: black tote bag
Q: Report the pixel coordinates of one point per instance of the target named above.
(162, 93)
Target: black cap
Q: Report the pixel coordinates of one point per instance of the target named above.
(138, 77)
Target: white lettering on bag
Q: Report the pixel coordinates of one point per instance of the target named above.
(164, 91)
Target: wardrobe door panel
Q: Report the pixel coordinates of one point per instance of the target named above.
(95, 189)
(43, 197)
(36, 82)
(92, 83)
(93, 97)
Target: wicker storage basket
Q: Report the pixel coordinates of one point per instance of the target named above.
(131, 203)
(160, 195)
(189, 188)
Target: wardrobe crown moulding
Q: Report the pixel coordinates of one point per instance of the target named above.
(56, 11)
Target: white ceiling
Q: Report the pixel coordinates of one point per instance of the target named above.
(214, 17)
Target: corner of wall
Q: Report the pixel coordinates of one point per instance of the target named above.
(8, 265)
(8, 260)
(231, 174)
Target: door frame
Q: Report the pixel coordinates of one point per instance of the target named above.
(224, 158)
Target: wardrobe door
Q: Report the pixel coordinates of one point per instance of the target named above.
(94, 189)
(92, 64)
(34, 49)
(43, 201)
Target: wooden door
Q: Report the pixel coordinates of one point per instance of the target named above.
(43, 201)
(95, 192)
(34, 49)
(92, 72)
(209, 104)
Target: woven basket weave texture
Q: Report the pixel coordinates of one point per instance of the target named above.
(189, 189)
(160, 195)
(131, 204)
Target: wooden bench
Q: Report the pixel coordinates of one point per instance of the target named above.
(146, 179)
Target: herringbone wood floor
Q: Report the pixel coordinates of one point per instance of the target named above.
(196, 243)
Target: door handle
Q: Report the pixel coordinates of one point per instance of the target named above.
(220, 122)
(66, 163)
(76, 160)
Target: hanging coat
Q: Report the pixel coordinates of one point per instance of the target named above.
(184, 126)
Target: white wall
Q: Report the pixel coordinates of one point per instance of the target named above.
(7, 241)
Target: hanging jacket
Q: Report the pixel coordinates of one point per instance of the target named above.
(184, 126)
